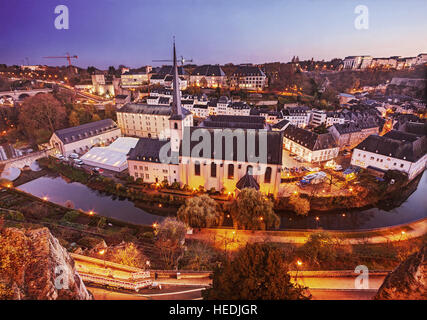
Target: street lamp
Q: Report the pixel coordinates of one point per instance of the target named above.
(101, 253)
(298, 264)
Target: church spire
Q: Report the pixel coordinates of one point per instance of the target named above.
(176, 103)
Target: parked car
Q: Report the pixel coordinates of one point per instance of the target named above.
(98, 170)
(78, 161)
(73, 156)
(338, 167)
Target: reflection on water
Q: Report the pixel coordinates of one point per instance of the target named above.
(414, 208)
(59, 191)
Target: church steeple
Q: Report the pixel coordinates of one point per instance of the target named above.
(176, 103)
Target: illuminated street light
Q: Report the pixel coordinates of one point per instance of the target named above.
(299, 262)
(91, 213)
(45, 198)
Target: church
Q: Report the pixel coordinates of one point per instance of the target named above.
(226, 153)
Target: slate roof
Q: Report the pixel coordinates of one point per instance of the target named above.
(200, 106)
(273, 145)
(164, 100)
(247, 71)
(168, 70)
(158, 76)
(351, 127)
(208, 70)
(239, 105)
(281, 124)
(230, 121)
(86, 130)
(295, 111)
(396, 144)
(146, 109)
(147, 150)
(309, 139)
(420, 129)
(247, 181)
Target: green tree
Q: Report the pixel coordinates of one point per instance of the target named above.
(301, 205)
(258, 272)
(200, 212)
(252, 210)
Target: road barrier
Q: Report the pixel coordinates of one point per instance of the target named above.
(100, 280)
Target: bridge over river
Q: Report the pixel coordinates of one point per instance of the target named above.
(17, 95)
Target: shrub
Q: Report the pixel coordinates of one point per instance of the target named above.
(70, 216)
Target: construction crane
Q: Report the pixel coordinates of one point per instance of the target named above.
(68, 57)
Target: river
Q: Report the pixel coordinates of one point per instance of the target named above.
(59, 191)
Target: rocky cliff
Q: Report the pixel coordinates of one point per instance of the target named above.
(408, 281)
(48, 272)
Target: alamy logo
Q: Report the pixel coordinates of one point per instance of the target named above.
(362, 20)
(362, 280)
(61, 280)
(218, 144)
(62, 20)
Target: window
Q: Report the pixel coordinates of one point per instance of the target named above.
(213, 170)
(135, 167)
(231, 171)
(249, 170)
(267, 175)
(175, 125)
(197, 169)
(147, 176)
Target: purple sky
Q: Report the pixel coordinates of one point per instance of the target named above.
(134, 32)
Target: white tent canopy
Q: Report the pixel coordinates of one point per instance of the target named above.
(112, 157)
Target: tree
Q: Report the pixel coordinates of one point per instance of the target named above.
(301, 205)
(170, 240)
(73, 119)
(128, 254)
(200, 212)
(41, 115)
(258, 272)
(95, 117)
(111, 70)
(319, 247)
(252, 210)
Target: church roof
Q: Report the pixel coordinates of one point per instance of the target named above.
(247, 181)
(273, 145)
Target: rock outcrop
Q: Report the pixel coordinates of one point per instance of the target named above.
(49, 273)
(408, 281)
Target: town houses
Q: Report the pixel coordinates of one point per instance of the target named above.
(248, 77)
(208, 76)
(350, 134)
(81, 138)
(396, 150)
(310, 146)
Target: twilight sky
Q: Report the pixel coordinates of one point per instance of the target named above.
(134, 32)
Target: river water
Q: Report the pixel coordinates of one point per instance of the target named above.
(59, 191)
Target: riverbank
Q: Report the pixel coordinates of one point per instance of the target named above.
(408, 231)
(159, 199)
